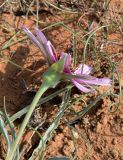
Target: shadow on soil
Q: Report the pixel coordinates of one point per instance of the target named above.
(14, 81)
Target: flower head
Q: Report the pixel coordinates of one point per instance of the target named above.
(80, 77)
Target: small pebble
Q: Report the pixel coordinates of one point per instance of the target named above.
(114, 141)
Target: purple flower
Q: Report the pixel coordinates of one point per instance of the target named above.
(44, 45)
(80, 77)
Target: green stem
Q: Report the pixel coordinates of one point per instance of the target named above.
(38, 95)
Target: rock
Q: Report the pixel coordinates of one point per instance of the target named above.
(114, 141)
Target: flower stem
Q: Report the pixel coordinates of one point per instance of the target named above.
(38, 95)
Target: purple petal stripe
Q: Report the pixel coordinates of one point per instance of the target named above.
(50, 52)
(67, 62)
(41, 36)
(34, 39)
(95, 81)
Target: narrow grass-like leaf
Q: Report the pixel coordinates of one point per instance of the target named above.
(88, 39)
(54, 6)
(10, 41)
(39, 151)
(114, 70)
(13, 133)
(5, 134)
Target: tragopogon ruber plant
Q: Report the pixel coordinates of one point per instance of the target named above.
(59, 69)
(80, 77)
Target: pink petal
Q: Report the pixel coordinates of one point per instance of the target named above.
(34, 39)
(51, 52)
(53, 49)
(67, 62)
(83, 69)
(81, 87)
(41, 36)
(96, 81)
(48, 47)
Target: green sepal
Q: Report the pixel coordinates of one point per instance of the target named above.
(53, 75)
